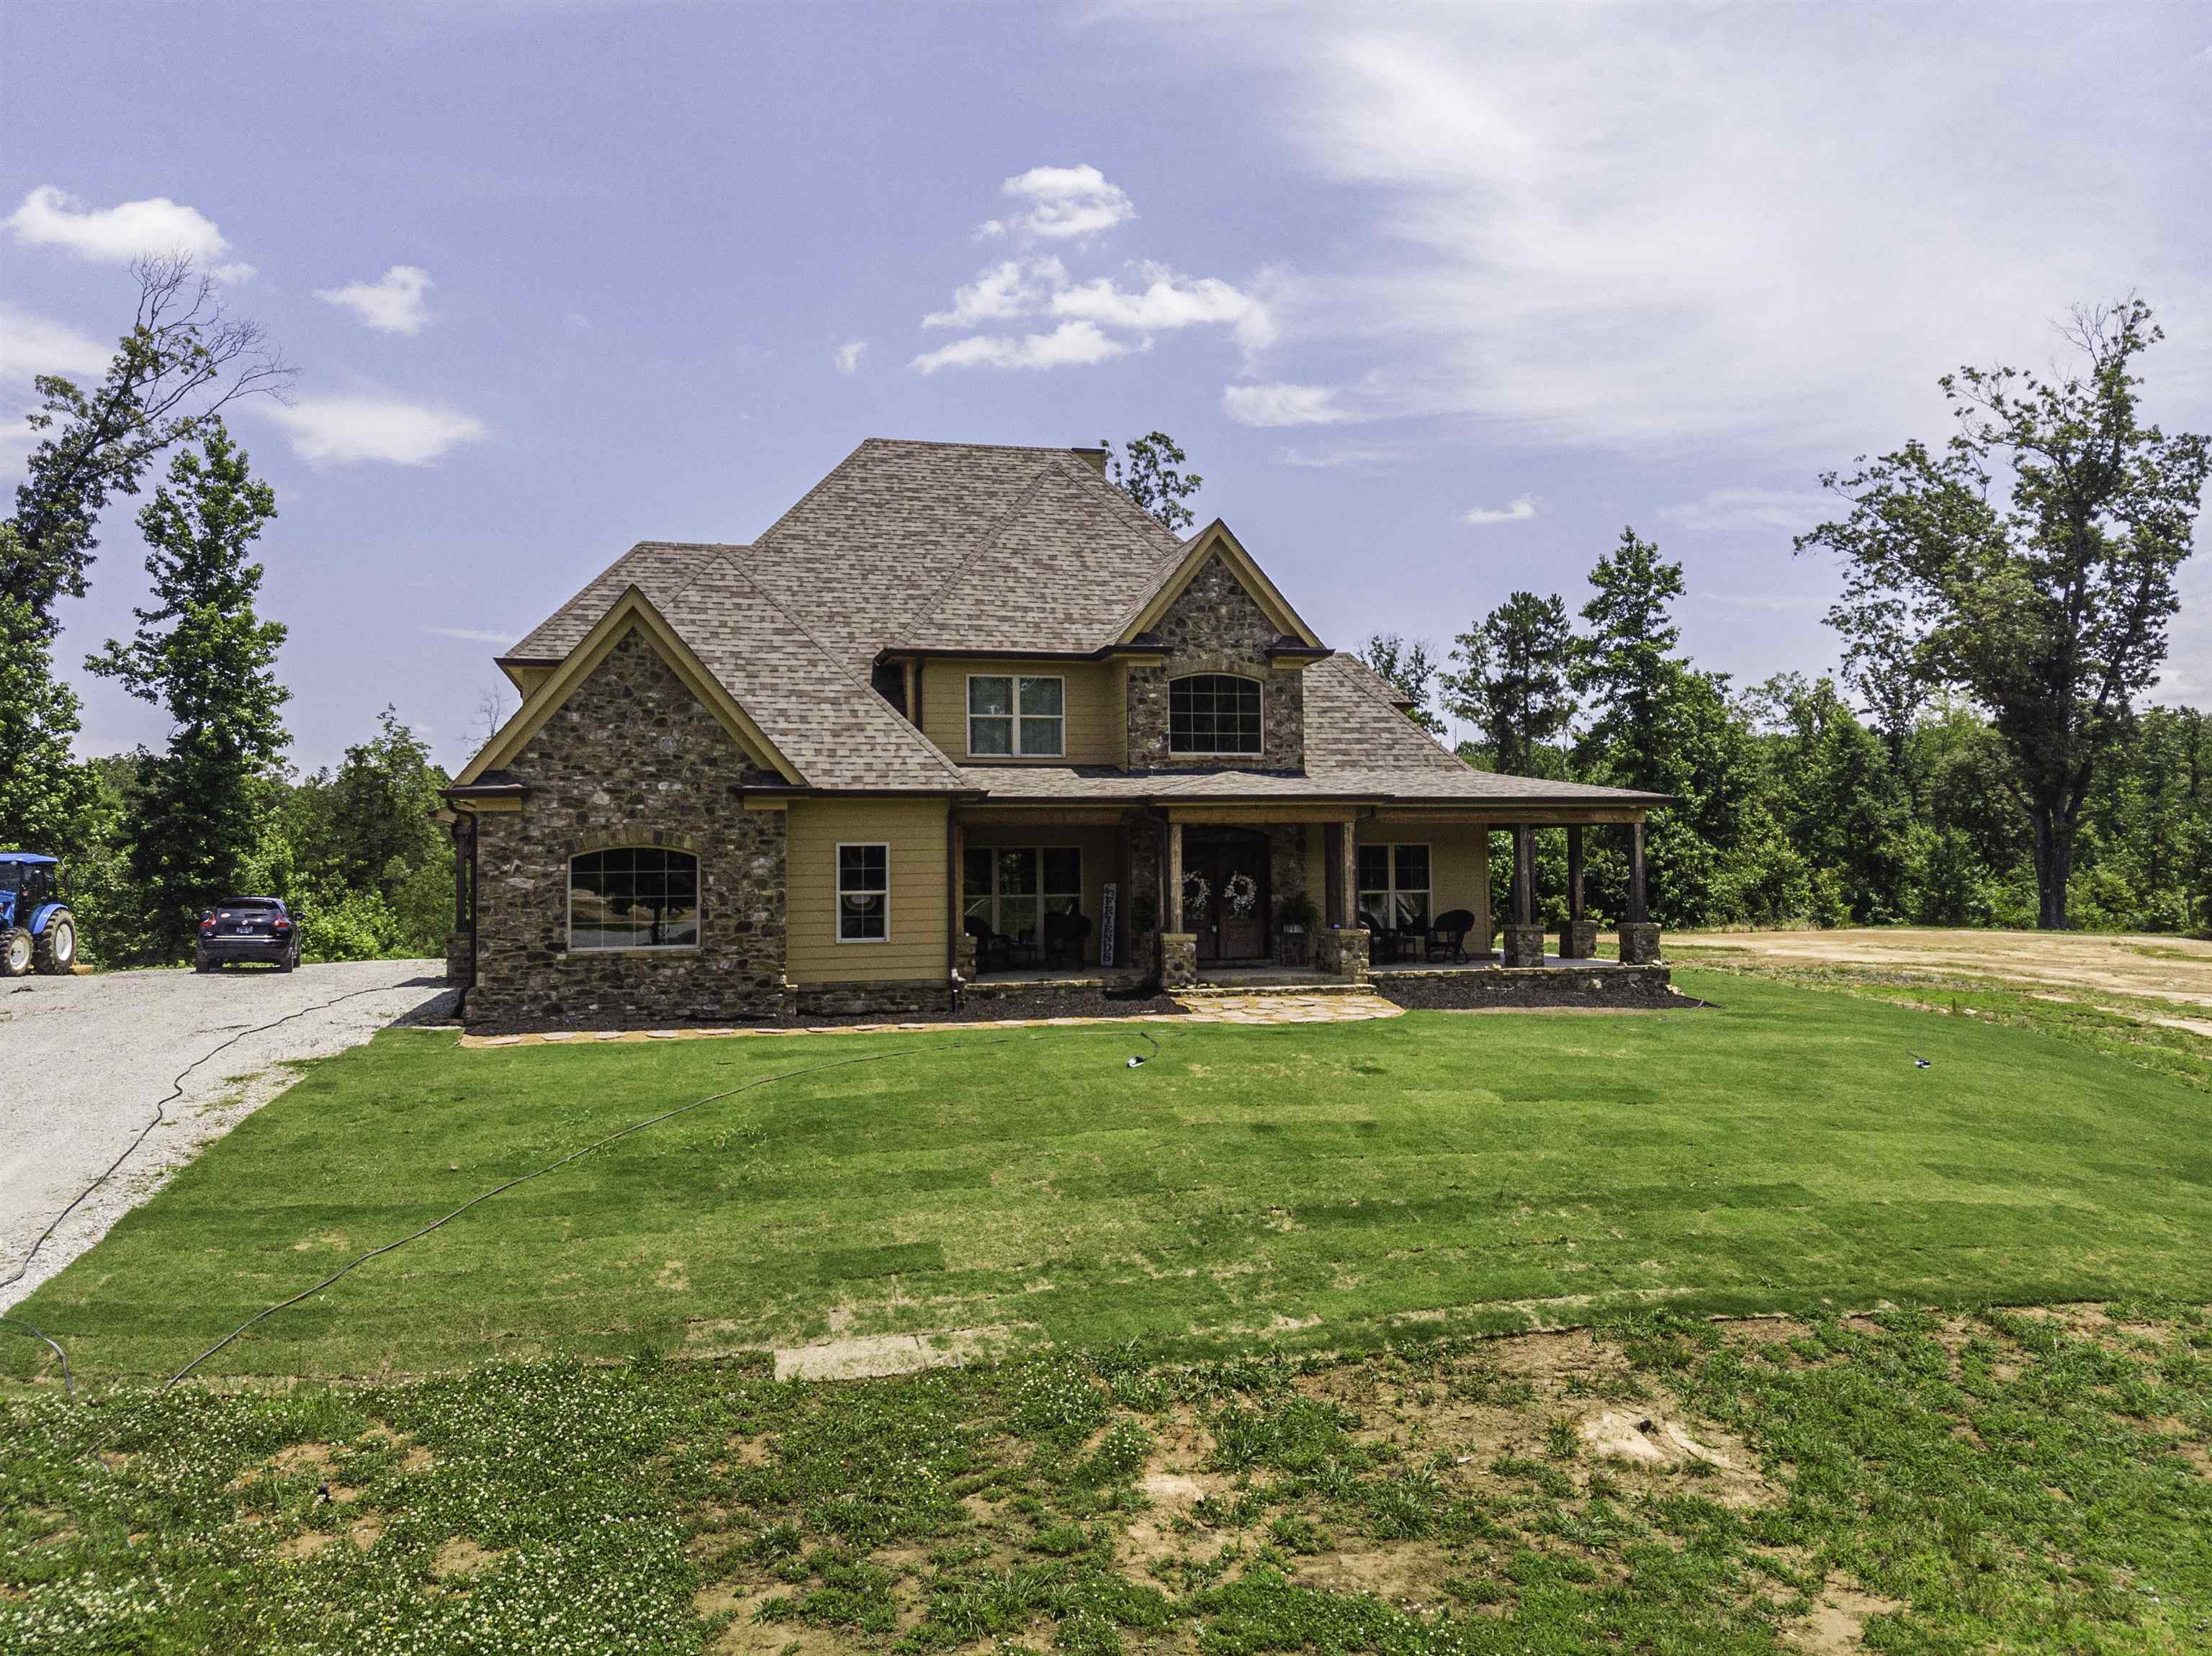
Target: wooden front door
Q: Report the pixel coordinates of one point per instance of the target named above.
(1230, 918)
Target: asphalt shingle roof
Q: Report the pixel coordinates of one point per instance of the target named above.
(970, 546)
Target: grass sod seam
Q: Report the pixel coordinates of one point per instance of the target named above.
(523, 1179)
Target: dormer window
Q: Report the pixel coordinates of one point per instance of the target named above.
(1011, 716)
(1214, 713)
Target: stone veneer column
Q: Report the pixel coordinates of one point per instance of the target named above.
(1178, 960)
(1578, 935)
(1524, 933)
(1639, 938)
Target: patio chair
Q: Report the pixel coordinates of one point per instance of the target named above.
(1446, 935)
(988, 942)
(1064, 936)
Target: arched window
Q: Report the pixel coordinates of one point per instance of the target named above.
(1213, 712)
(633, 897)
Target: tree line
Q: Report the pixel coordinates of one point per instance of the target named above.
(1982, 756)
(150, 838)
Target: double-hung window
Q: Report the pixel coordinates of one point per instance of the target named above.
(1394, 887)
(863, 892)
(1010, 889)
(1011, 715)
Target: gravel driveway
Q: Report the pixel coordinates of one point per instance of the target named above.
(84, 1060)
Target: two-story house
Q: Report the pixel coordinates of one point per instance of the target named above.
(964, 715)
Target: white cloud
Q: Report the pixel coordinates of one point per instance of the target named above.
(1754, 508)
(393, 303)
(1067, 201)
(32, 345)
(342, 430)
(1071, 344)
(848, 356)
(1283, 405)
(1627, 226)
(1016, 287)
(471, 635)
(1167, 301)
(1330, 459)
(579, 321)
(1519, 510)
(155, 227)
(990, 229)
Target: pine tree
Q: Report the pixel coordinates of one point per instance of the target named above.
(208, 661)
(1513, 686)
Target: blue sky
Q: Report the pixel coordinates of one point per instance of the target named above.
(1438, 299)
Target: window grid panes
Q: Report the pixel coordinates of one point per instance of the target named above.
(633, 897)
(1010, 889)
(1011, 716)
(1213, 712)
(1394, 887)
(864, 894)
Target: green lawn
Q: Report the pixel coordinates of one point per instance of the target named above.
(1314, 1186)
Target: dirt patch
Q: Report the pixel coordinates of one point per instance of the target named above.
(871, 1356)
(1410, 1575)
(2173, 969)
(304, 1545)
(1837, 1625)
(461, 1557)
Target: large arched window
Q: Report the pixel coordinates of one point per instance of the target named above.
(1213, 712)
(633, 897)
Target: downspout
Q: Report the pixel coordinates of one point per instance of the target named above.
(952, 909)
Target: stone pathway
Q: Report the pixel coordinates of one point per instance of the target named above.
(1261, 1009)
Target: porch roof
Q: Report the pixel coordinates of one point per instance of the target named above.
(1460, 785)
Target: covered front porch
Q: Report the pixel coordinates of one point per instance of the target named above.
(1274, 895)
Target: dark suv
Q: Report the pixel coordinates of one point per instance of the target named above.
(246, 928)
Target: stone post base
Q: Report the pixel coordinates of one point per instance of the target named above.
(457, 957)
(1342, 951)
(963, 957)
(1577, 940)
(1639, 943)
(1178, 960)
(1524, 945)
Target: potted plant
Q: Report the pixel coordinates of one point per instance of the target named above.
(1295, 919)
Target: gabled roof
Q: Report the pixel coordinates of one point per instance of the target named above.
(785, 698)
(1158, 594)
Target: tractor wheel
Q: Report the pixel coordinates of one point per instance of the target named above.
(14, 952)
(55, 951)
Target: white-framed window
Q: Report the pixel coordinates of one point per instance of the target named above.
(1394, 887)
(633, 897)
(864, 891)
(1012, 715)
(1214, 712)
(1012, 888)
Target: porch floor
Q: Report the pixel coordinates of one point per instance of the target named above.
(1492, 961)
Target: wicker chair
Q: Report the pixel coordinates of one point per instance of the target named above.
(1446, 935)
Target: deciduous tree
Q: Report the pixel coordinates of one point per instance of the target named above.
(1408, 666)
(1146, 473)
(2030, 562)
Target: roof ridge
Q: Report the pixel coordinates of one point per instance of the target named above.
(836, 664)
(990, 537)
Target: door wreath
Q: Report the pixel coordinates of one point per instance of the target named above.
(1241, 892)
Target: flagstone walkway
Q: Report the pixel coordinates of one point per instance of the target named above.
(1260, 1009)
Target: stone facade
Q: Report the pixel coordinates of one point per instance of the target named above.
(1215, 626)
(1342, 950)
(1178, 960)
(457, 957)
(1639, 943)
(1524, 945)
(632, 758)
(916, 998)
(1535, 985)
(1577, 939)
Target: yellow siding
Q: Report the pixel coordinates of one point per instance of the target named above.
(1094, 711)
(1102, 859)
(914, 829)
(1459, 865)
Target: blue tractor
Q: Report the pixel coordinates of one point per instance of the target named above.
(37, 931)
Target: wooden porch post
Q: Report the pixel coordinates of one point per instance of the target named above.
(1174, 904)
(1524, 875)
(1347, 873)
(1574, 873)
(1638, 911)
